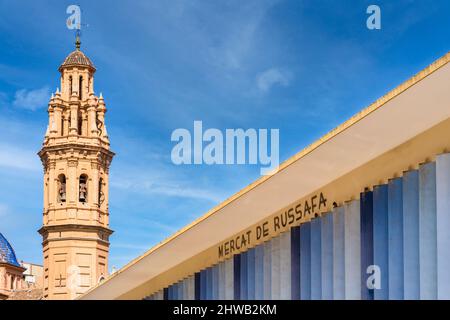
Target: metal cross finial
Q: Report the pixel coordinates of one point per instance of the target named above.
(78, 41)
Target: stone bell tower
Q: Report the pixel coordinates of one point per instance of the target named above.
(76, 157)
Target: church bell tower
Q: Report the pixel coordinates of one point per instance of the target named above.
(76, 157)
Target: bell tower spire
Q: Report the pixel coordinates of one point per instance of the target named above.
(77, 41)
(76, 157)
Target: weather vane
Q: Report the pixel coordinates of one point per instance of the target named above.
(74, 22)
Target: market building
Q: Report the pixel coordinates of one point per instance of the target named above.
(362, 213)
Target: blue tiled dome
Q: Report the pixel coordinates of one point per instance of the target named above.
(7, 254)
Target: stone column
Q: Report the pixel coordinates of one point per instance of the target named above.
(52, 183)
(66, 124)
(92, 119)
(106, 188)
(91, 83)
(72, 190)
(52, 123)
(65, 86)
(2, 279)
(101, 110)
(46, 198)
(73, 118)
(101, 119)
(76, 83)
(84, 128)
(56, 128)
(61, 82)
(95, 178)
(8, 282)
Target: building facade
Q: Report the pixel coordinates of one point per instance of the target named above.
(33, 275)
(76, 157)
(11, 277)
(362, 213)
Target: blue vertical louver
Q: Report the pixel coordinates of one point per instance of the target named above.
(174, 292)
(251, 274)
(180, 287)
(285, 265)
(305, 261)
(443, 225)
(237, 277)
(427, 231)
(338, 253)
(327, 256)
(352, 250)
(203, 283)
(267, 270)
(229, 279)
(222, 281)
(367, 255)
(244, 273)
(209, 284)
(316, 261)
(197, 286)
(295, 263)
(169, 293)
(259, 272)
(275, 268)
(395, 233)
(380, 243)
(215, 282)
(411, 276)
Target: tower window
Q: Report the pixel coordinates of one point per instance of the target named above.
(61, 188)
(70, 85)
(80, 124)
(83, 189)
(80, 89)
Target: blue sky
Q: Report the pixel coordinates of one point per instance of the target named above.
(300, 66)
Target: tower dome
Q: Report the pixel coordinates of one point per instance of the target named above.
(77, 58)
(7, 254)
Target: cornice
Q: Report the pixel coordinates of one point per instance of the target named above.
(74, 227)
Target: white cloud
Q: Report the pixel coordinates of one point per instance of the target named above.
(3, 210)
(3, 99)
(274, 76)
(150, 186)
(17, 158)
(31, 99)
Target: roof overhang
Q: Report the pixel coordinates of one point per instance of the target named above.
(10, 266)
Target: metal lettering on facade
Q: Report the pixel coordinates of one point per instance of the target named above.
(299, 212)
